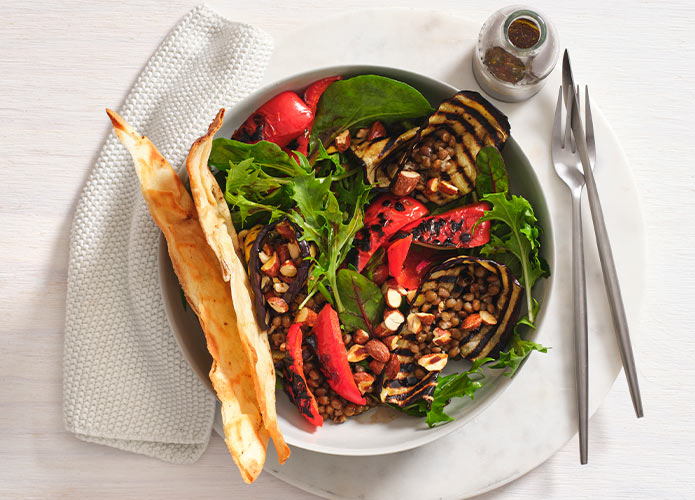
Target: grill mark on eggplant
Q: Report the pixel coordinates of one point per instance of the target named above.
(482, 343)
(478, 123)
(500, 118)
(471, 131)
(389, 144)
(455, 274)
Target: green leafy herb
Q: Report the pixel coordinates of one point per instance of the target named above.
(514, 231)
(258, 176)
(362, 299)
(331, 227)
(266, 156)
(456, 385)
(263, 179)
(491, 175)
(359, 101)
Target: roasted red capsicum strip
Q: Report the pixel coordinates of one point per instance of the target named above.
(294, 374)
(313, 92)
(397, 253)
(415, 264)
(333, 356)
(453, 229)
(280, 120)
(382, 219)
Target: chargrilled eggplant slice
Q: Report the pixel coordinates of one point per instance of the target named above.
(278, 268)
(465, 307)
(381, 156)
(443, 150)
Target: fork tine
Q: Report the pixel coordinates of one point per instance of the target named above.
(557, 123)
(572, 140)
(567, 141)
(589, 129)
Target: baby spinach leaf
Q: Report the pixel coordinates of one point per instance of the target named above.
(491, 174)
(361, 100)
(362, 299)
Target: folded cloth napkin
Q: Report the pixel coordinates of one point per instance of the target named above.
(126, 384)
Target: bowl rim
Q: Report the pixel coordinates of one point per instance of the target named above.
(234, 118)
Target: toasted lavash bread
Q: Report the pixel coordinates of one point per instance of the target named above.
(216, 221)
(208, 294)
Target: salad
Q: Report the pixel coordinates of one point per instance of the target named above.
(382, 244)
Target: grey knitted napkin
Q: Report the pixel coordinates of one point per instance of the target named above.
(126, 384)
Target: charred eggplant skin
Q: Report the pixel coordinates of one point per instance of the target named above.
(456, 275)
(259, 302)
(468, 119)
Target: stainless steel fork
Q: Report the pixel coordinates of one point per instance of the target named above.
(569, 168)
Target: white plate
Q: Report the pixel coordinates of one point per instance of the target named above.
(382, 430)
(525, 425)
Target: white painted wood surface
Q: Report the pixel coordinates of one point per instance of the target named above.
(62, 63)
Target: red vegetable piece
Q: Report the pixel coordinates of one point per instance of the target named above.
(333, 356)
(313, 92)
(417, 262)
(397, 253)
(280, 120)
(382, 219)
(452, 229)
(302, 145)
(303, 142)
(294, 373)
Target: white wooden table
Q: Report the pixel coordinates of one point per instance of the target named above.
(62, 63)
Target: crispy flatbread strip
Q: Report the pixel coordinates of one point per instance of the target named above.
(216, 221)
(199, 274)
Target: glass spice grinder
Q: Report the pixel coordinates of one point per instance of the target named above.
(517, 49)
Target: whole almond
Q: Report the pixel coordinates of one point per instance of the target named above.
(378, 350)
(393, 365)
(376, 367)
(376, 131)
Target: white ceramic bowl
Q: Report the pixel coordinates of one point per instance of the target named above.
(381, 430)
